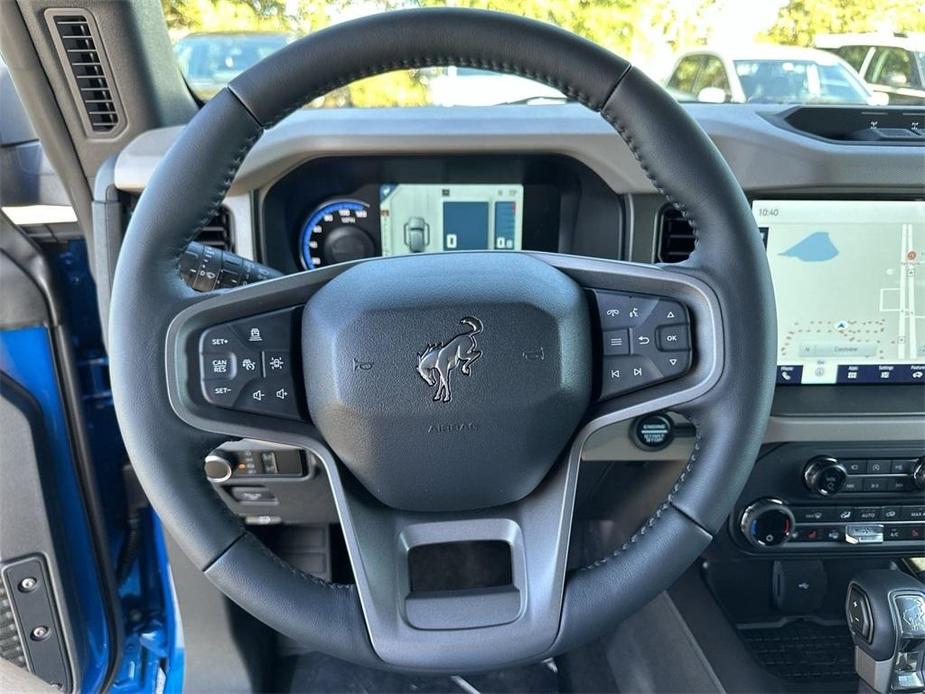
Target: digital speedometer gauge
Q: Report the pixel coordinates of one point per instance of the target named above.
(334, 233)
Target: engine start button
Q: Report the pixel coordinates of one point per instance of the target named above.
(654, 432)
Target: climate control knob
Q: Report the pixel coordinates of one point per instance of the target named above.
(825, 476)
(918, 474)
(767, 523)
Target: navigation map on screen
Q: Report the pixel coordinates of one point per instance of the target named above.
(849, 277)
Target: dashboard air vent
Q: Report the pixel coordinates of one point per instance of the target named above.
(217, 232)
(84, 61)
(675, 237)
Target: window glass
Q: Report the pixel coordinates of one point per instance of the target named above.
(713, 76)
(893, 67)
(854, 55)
(685, 75)
(798, 81)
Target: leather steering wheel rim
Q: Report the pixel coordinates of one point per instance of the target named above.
(190, 183)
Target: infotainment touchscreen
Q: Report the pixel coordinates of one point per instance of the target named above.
(415, 218)
(849, 277)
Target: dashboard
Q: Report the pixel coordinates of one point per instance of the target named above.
(844, 228)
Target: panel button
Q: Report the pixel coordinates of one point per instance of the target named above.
(864, 534)
(813, 514)
(833, 535)
(899, 484)
(808, 534)
(845, 513)
(893, 532)
(221, 393)
(221, 338)
(903, 466)
(623, 374)
(859, 613)
(270, 396)
(876, 484)
(869, 513)
(616, 342)
(220, 366)
(913, 513)
(267, 331)
(878, 467)
(855, 467)
(890, 513)
(623, 310)
(853, 484)
(253, 495)
(672, 364)
(673, 338)
(276, 363)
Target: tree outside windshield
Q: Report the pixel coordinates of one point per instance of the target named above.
(214, 40)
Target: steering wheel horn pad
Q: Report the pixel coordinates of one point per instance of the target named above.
(395, 484)
(448, 382)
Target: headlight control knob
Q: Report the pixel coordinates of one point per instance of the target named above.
(825, 476)
(767, 523)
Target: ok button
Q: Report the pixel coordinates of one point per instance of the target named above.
(673, 338)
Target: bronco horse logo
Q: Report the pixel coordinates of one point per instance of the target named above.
(437, 360)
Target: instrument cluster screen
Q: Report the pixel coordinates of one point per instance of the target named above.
(418, 218)
(849, 277)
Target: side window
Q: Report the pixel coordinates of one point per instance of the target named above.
(713, 76)
(893, 67)
(853, 55)
(685, 74)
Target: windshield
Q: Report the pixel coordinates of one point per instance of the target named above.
(215, 40)
(792, 81)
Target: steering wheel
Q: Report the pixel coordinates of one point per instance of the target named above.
(447, 396)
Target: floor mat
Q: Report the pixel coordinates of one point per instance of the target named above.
(802, 650)
(315, 673)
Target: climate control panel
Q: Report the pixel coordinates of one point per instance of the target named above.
(822, 498)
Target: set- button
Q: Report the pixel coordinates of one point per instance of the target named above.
(644, 340)
(247, 364)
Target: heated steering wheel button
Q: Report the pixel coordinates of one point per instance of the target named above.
(673, 338)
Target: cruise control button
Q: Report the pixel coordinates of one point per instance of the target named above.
(616, 342)
(221, 393)
(219, 366)
(220, 338)
(673, 338)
